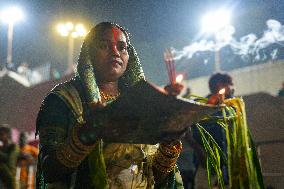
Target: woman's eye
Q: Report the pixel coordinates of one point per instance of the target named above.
(103, 45)
(121, 46)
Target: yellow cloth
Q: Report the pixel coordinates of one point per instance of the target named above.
(27, 166)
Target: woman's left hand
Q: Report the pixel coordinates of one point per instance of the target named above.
(174, 89)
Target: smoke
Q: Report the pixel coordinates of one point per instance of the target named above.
(249, 46)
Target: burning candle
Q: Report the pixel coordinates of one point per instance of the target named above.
(222, 91)
(179, 78)
(221, 95)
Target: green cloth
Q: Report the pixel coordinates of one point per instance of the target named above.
(97, 163)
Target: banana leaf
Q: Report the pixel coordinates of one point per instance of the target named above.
(242, 161)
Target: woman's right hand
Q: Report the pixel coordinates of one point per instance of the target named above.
(97, 106)
(89, 133)
(174, 89)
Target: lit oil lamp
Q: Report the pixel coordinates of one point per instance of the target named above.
(221, 96)
(179, 78)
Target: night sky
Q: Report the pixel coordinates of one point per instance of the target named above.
(154, 25)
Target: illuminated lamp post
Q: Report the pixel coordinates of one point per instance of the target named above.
(10, 16)
(215, 22)
(72, 32)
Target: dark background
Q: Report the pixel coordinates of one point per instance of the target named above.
(154, 25)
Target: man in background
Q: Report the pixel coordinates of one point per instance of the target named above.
(217, 82)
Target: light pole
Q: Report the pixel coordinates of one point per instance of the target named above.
(71, 31)
(10, 16)
(215, 22)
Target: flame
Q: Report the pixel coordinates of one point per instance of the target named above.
(222, 91)
(179, 78)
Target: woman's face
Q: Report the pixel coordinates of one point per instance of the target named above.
(111, 56)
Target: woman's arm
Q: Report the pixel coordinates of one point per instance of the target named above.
(52, 123)
(61, 152)
(165, 171)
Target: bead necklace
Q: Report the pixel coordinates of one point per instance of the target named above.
(108, 97)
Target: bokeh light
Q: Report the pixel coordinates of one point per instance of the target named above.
(215, 21)
(69, 29)
(11, 15)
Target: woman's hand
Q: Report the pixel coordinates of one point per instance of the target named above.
(213, 99)
(216, 99)
(97, 106)
(174, 89)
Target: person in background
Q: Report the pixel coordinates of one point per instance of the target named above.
(187, 93)
(217, 82)
(27, 159)
(73, 153)
(192, 153)
(8, 158)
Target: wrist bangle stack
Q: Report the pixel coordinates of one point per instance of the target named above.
(77, 143)
(71, 153)
(166, 156)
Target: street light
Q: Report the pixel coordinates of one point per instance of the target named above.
(215, 22)
(10, 16)
(71, 31)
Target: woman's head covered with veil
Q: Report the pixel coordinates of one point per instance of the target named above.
(107, 56)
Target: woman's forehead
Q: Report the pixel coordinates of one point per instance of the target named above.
(113, 34)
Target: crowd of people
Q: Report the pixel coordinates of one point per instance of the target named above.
(17, 161)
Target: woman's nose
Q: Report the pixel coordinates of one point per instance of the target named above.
(114, 49)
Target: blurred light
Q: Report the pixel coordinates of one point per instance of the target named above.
(68, 29)
(222, 91)
(69, 26)
(80, 29)
(62, 30)
(226, 34)
(11, 15)
(74, 35)
(215, 21)
(179, 78)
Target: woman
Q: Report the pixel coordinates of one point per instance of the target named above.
(72, 152)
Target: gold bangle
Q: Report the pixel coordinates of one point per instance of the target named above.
(167, 154)
(76, 141)
(164, 160)
(171, 149)
(170, 152)
(68, 157)
(161, 168)
(74, 151)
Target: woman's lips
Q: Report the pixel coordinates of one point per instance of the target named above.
(117, 62)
